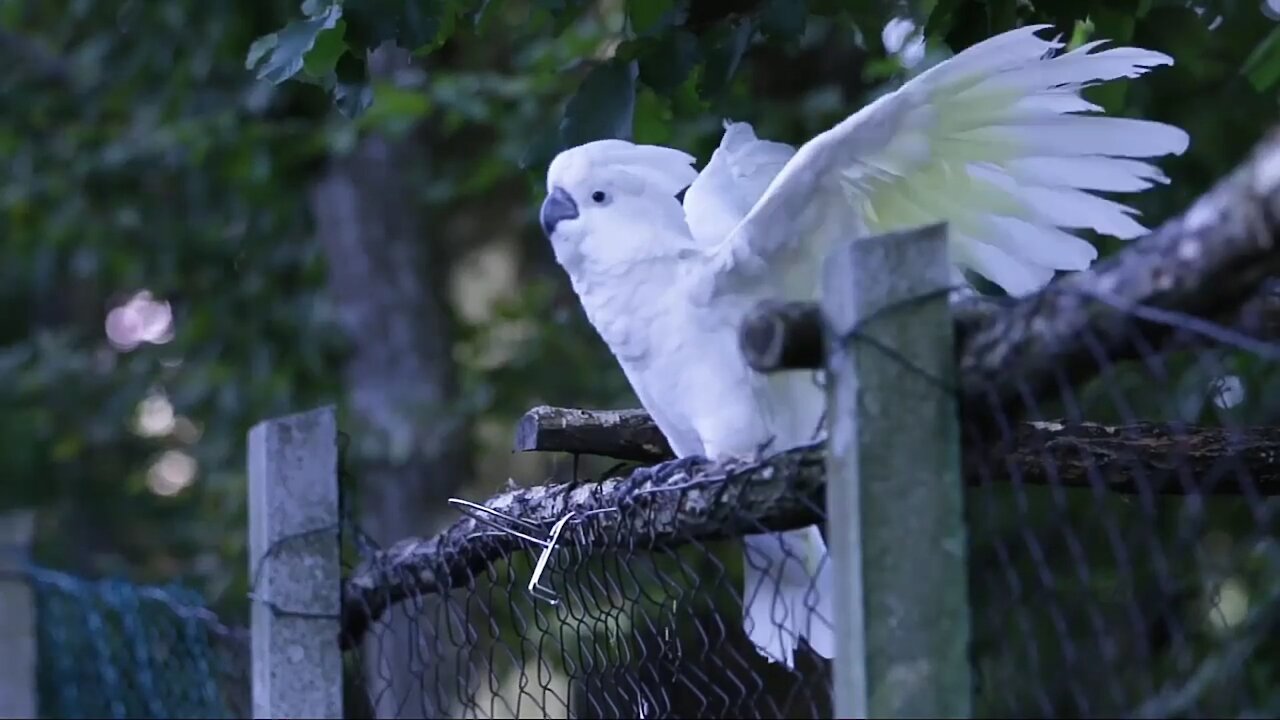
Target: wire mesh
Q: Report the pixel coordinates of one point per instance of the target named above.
(1122, 560)
(621, 631)
(112, 649)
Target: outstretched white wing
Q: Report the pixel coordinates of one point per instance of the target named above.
(735, 178)
(992, 141)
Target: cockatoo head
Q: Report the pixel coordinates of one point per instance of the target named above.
(614, 202)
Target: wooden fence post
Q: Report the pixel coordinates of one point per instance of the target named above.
(894, 494)
(294, 566)
(17, 616)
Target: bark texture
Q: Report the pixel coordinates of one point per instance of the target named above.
(409, 447)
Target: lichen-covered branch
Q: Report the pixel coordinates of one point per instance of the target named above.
(1134, 457)
(1143, 457)
(668, 504)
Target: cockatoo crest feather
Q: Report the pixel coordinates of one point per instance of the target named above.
(665, 169)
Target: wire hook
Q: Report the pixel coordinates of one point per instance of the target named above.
(535, 587)
(484, 516)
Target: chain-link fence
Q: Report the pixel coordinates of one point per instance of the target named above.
(617, 625)
(1122, 561)
(1112, 571)
(112, 649)
(1123, 555)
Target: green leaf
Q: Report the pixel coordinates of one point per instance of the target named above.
(396, 109)
(424, 26)
(1184, 34)
(653, 119)
(352, 94)
(1080, 34)
(563, 12)
(259, 49)
(539, 151)
(602, 107)
(352, 99)
(667, 63)
(784, 20)
(723, 49)
(941, 18)
(288, 56)
(480, 13)
(1262, 67)
(649, 15)
(1115, 22)
(329, 46)
(685, 101)
(370, 23)
(351, 68)
(412, 24)
(1001, 15)
(959, 23)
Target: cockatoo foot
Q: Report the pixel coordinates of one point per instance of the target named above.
(686, 465)
(763, 450)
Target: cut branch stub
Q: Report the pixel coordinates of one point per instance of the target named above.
(782, 336)
(620, 434)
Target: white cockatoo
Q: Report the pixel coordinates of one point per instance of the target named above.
(996, 141)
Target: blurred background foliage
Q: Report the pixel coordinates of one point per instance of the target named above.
(165, 279)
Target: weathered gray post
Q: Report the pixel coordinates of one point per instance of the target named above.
(295, 567)
(894, 493)
(17, 616)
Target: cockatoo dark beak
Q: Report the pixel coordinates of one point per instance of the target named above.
(558, 206)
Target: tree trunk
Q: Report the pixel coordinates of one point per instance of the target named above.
(408, 446)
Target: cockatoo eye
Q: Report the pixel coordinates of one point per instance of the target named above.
(599, 197)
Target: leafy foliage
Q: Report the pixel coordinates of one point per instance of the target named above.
(690, 56)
